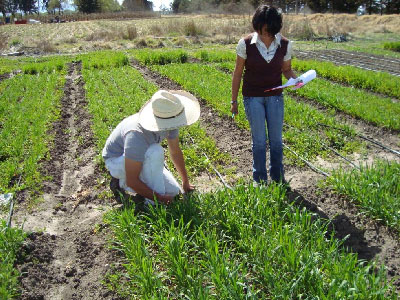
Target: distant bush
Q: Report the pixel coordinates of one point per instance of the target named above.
(394, 46)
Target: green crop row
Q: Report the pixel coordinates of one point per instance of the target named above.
(10, 242)
(242, 244)
(114, 94)
(34, 65)
(306, 136)
(215, 55)
(380, 82)
(394, 46)
(160, 57)
(375, 189)
(28, 106)
(377, 110)
(103, 60)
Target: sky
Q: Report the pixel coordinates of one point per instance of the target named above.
(157, 4)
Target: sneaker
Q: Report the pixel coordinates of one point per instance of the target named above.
(119, 193)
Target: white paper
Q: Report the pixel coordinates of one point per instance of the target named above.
(305, 78)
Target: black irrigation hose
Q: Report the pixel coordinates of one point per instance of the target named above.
(331, 149)
(12, 206)
(314, 168)
(365, 138)
(212, 166)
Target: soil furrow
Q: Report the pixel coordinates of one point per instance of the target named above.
(368, 238)
(64, 257)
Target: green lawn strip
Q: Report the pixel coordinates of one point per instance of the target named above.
(8, 65)
(10, 242)
(119, 92)
(375, 189)
(379, 82)
(28, 106)
(160, 56)
(244, 244)
(103, 60)
(215, 55)
(394, 46)
(214, 86)
(34, 65)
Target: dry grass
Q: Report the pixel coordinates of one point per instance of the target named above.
(214, 28)
(46, 46)
(131, 33)
(3, 41)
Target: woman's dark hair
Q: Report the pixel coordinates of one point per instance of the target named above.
(267, 15)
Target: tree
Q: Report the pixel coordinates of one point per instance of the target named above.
(55, 4)
(87, 6)
(109, 6)
(27, 6)
(137, 5)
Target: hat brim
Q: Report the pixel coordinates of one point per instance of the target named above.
(189, 115)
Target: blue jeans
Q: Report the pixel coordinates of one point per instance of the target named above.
(258, 110)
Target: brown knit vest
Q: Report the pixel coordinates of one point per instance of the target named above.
(259, 75)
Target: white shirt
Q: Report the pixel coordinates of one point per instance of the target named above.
(266, 53)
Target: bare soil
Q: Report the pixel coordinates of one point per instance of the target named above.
(370, 239)
(65, 256)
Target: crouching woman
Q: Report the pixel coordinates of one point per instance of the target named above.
(133, 153)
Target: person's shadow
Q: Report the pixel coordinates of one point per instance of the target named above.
(343, 228)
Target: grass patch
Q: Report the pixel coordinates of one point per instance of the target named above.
(160, 57)
(379, 82)
(374, 188)
(103, 60)
(10, 242)
(28, 106)
(242, 244)
(394, 46)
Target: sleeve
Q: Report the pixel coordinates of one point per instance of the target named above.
(135, 146)
(288, 52)
(241, 49)
(173, 134)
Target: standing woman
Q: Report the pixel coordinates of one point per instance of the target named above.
(264, 55)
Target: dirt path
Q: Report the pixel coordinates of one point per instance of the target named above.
(364, 61)
(370, 239)
(66, 257)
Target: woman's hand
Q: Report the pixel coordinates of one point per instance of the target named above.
(187, 187)
(166, 199)
(234, 108)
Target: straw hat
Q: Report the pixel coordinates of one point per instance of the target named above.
(168, 110)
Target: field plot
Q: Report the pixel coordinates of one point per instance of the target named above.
(331, 236)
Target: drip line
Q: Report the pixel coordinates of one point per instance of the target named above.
(365, 138)
(314, 168)
(331, 149)
(212, 166)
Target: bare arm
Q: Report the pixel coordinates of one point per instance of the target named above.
(176, 155)
(287, 69)
(236, 79)
(132, 170)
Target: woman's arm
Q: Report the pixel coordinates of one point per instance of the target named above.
(287, 69)
(236, 79)
(176, 155)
